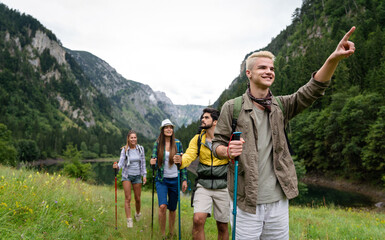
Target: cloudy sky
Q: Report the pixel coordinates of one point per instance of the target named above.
(191, 50)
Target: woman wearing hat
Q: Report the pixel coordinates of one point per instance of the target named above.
(165, 149)
(133, 165)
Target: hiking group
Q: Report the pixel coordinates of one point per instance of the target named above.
(256, 189)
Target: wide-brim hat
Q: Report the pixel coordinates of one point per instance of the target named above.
(166, 122)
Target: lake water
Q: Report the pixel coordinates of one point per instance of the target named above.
(103, 171)
(316, 196)
(320, 196)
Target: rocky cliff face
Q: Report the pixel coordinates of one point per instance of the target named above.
(134, 103)
(33, 52)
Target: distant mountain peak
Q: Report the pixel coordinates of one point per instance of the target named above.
(148, 108)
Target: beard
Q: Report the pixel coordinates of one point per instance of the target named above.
(206, 126)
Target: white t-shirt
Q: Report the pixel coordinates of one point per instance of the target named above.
(169, 171)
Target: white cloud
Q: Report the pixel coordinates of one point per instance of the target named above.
(191, 50)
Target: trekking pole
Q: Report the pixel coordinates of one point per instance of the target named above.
(236, 136)
(179, 231)
(153, 189)
(116, 199)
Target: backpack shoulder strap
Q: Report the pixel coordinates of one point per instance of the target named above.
(199, 141)
(236, 111)
(140, 148)
(280, 104)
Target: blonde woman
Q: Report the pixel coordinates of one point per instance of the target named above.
(133, 165)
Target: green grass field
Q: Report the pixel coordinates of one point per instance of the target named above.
(37, 205)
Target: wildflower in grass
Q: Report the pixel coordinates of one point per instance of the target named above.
(55, 201)
(66, 222)
(349, 209)
(47, 206)
(94, 219)
(4, 204)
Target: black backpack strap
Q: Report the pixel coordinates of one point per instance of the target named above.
(199, 142)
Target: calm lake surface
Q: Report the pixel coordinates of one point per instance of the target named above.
(316, 196)
(320, 196)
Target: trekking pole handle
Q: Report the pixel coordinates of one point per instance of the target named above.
(153, 165)
(116, 170)
(178, 164)
(236, 136)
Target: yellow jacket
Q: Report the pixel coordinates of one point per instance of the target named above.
(205, 157)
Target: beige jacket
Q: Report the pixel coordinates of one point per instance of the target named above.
(248, 161)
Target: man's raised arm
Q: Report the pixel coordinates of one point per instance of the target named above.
(344, 49)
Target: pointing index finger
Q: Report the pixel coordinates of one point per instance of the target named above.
(348, 34)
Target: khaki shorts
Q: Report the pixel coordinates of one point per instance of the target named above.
(205, 199)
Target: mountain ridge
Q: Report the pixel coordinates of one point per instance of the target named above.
(53, 96)
(125, 92)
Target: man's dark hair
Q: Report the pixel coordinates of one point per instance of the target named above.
(213, 113)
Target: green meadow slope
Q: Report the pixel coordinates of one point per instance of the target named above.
(36, 205)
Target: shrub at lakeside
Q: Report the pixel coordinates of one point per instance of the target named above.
(73, 167)
(36, 205)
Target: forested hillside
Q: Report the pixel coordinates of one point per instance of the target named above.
(46, 100)
(343, 133)
(51, 97)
